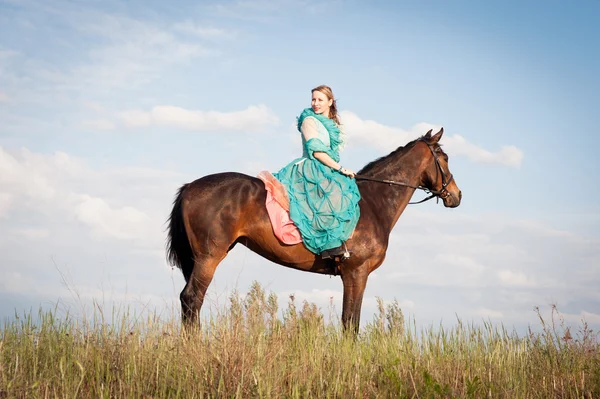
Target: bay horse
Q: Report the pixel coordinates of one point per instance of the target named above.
(215, 212)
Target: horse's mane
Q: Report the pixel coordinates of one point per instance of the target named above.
(385, 160)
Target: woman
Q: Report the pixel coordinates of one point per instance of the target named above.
(323, 195)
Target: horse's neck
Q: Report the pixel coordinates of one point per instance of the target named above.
(391, 200)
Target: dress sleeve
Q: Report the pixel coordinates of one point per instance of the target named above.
(309, 128)
(311, 136)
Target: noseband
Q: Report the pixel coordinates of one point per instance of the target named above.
(442, 193)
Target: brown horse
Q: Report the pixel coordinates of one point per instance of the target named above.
(214, 213)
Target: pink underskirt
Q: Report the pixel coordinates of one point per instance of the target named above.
(278, 208)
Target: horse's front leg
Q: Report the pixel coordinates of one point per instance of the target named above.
(355, 281)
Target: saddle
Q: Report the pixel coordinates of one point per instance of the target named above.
(278, 208)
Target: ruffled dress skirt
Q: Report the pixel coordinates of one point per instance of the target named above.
(323, 203)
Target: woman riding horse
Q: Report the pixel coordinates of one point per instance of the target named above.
(321, 196)
(214, 213)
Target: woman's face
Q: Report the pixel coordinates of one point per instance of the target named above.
(320, 103)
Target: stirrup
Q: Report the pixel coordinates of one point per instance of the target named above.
(339, 252)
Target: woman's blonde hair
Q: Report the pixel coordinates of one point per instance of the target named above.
(333, 112)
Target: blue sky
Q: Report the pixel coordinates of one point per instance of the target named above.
(105, 109)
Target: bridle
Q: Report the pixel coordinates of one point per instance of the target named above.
(442, 193)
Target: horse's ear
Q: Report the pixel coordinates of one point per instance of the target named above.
(436, 137)
(428, 134)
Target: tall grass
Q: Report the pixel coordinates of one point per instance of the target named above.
(251, 349)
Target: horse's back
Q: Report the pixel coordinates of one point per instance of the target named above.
(222, 179)
(224, 185)
(223, 199)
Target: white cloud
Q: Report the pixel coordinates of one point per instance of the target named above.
(98, 124)
(488, 313)
(122, 223)
(589, 317)
(13, 282)
(33, 233)
(203, 31)
(6, 54)
(251, 119)
(136, 118)
(509, 277)
(406, 304)
(59, 184)
(120, 54)
(5, 201)
(269, 10)
(93, 106)
(82, 299)
(4, 98)
(507, 155)
(135, 54)
(493, 262)
(385, 137)
(137, 40)
(29, 174)
(554, 313)
(536, 227)
(452, 266)
(380, 136)
(103, 226)
(458, 261)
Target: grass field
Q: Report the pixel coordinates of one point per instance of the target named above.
(252, 349)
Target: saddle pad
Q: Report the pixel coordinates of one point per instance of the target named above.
(278, 206)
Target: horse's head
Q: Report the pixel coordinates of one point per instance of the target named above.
(437, 177)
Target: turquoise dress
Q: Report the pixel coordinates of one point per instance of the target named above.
(323, 201)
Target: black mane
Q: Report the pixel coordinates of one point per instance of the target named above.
(387, 159)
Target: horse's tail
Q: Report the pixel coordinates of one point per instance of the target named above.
(179, 250)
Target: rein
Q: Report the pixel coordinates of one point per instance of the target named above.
(433, 193)
(399, 183)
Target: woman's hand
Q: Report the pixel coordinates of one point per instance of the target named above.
(348, 172)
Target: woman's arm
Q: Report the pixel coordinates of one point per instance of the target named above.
(309, 130)
(326, 159)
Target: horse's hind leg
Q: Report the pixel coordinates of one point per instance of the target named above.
(192, 296)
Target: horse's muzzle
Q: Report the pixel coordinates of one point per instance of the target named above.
(452, 200)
